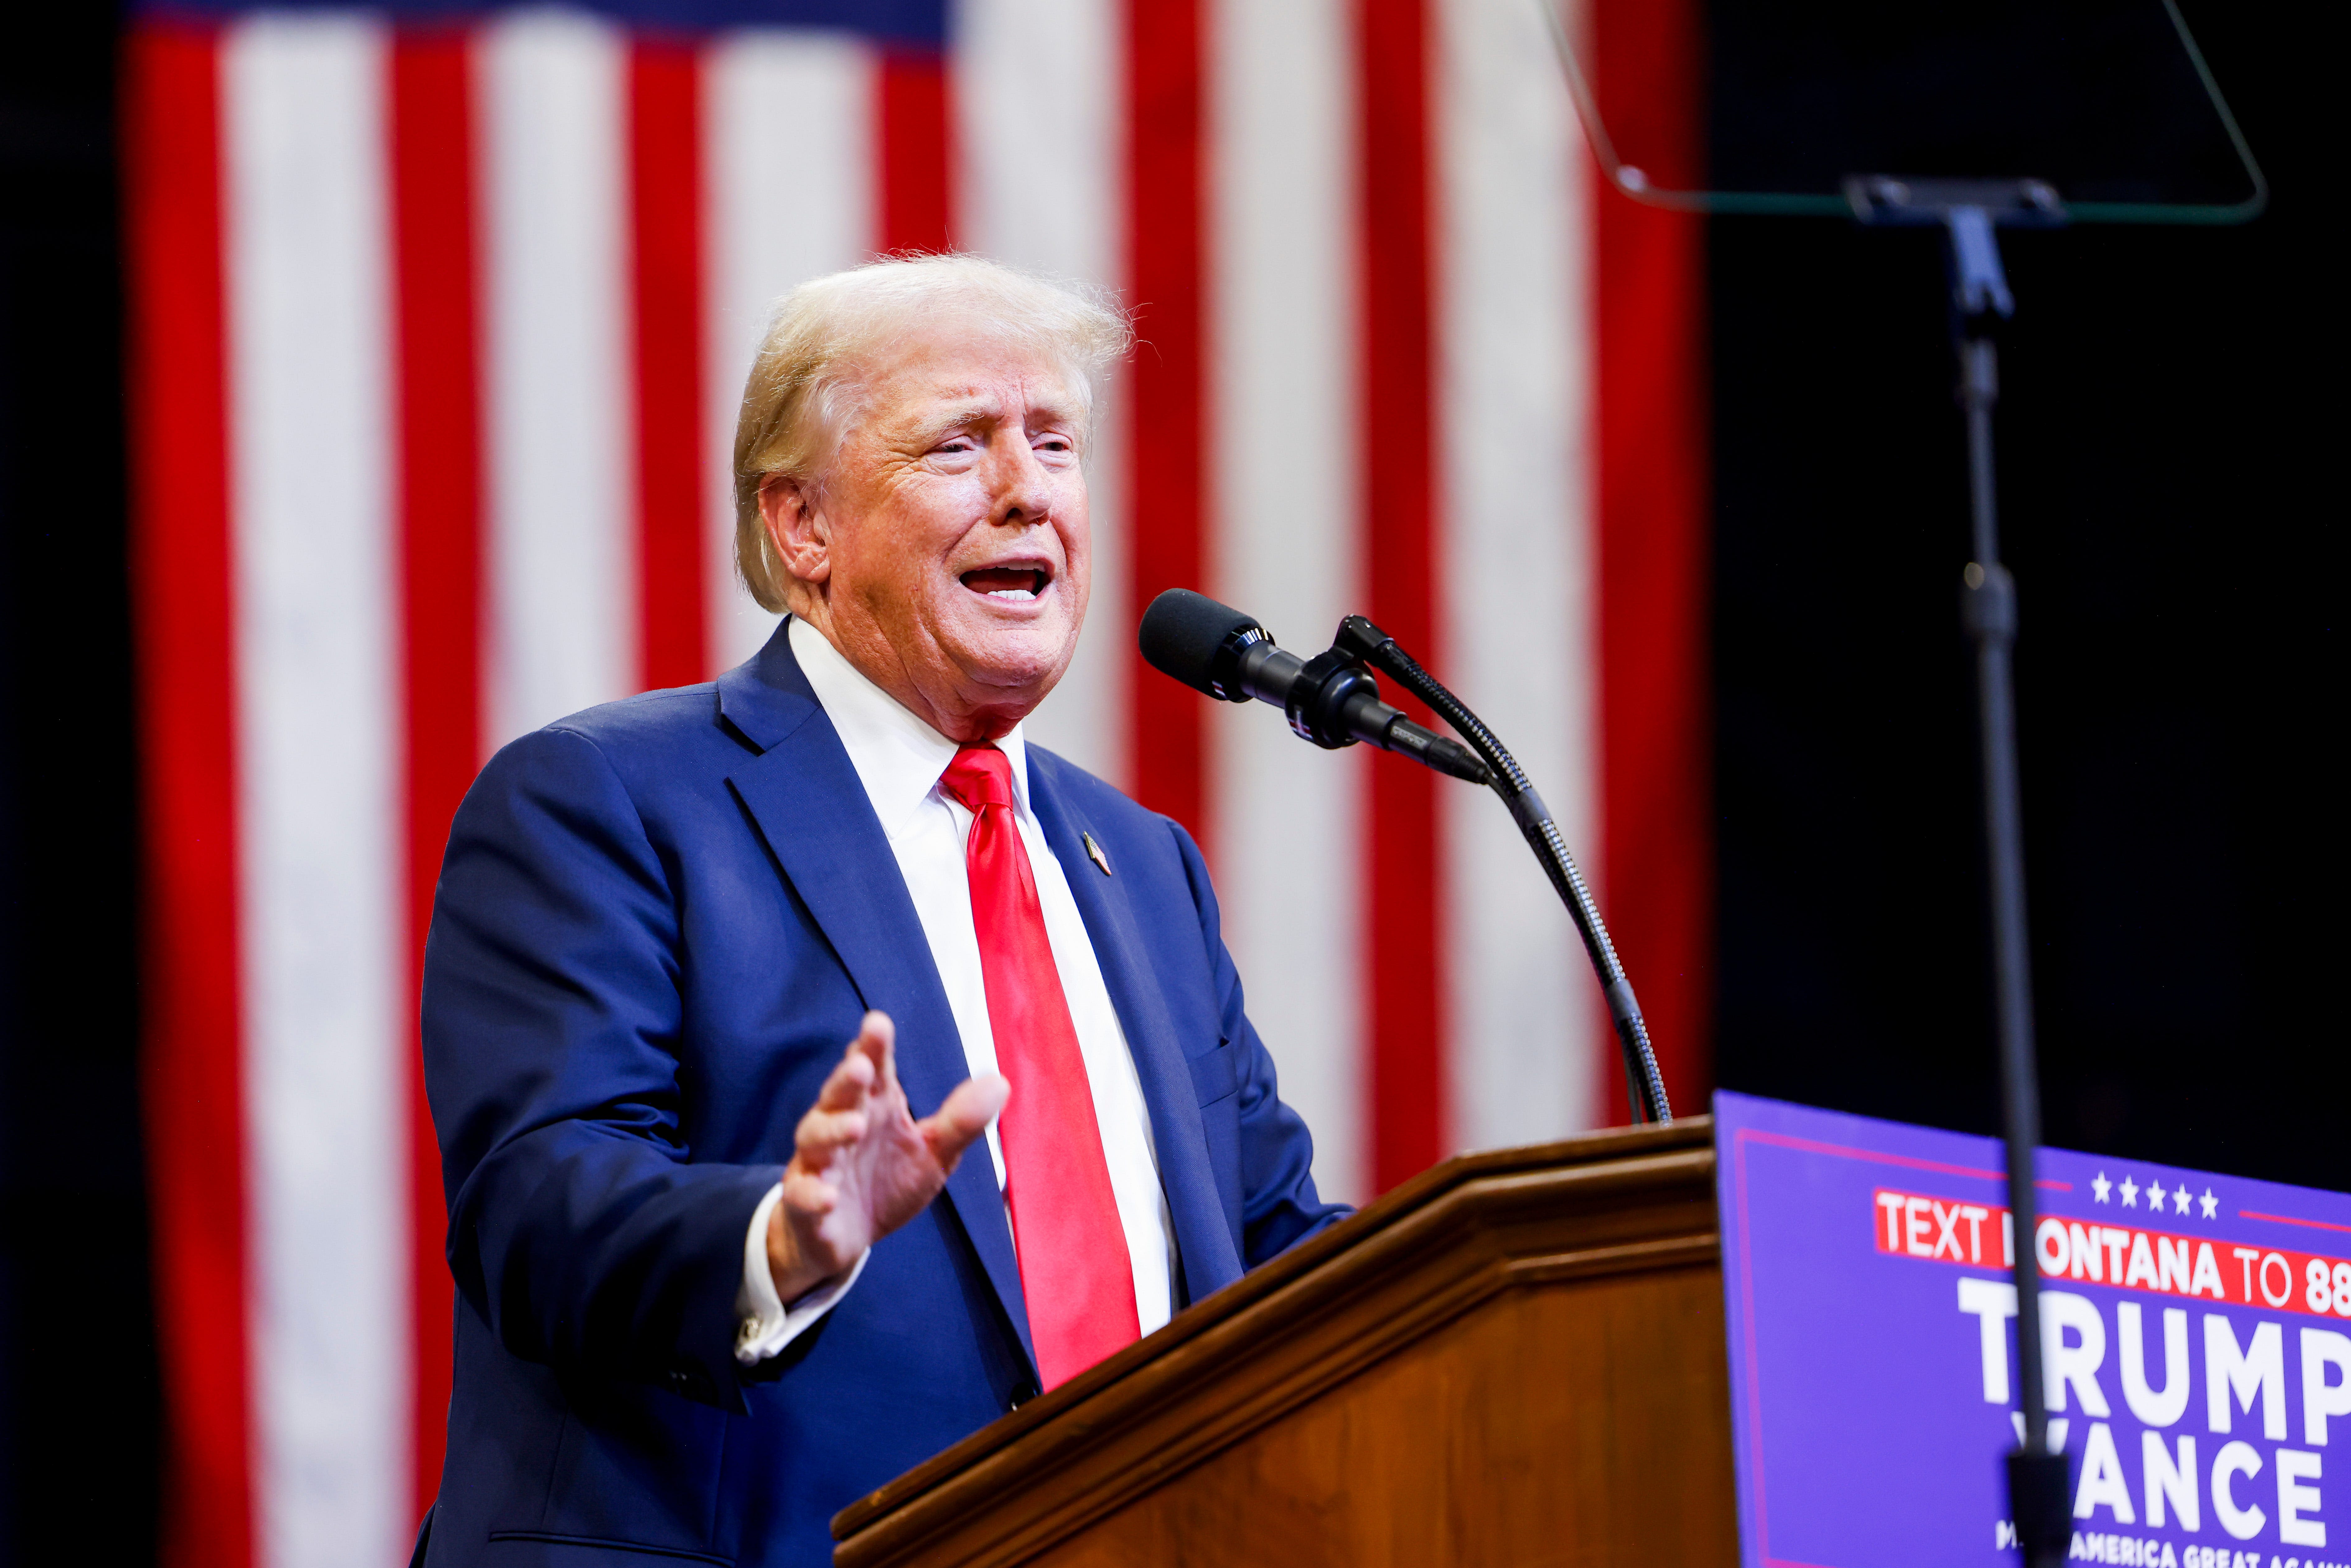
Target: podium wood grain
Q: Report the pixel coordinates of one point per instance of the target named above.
(1517, 1357)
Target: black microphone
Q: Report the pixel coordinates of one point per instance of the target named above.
(1333, 702)
(1329, 699)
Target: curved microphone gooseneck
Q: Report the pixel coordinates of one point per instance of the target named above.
(1218, 651)
(1361, 640)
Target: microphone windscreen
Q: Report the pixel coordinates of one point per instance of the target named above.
(1182, 632)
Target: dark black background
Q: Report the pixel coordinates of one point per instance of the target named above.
(2168, 487)
(2171, 508)
(77, 1395)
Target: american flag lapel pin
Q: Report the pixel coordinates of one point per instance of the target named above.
(1094, 853)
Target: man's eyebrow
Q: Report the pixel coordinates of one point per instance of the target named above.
(1049, 410)
(937, 424)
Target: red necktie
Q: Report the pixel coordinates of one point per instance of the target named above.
(1074, 1268)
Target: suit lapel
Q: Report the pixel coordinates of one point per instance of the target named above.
(812, 809)
(1203, 1243)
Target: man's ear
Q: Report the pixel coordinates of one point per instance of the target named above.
(797, 529)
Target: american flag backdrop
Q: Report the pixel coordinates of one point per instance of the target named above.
(440, 317)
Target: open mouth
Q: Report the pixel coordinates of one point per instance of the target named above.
(1020, 582)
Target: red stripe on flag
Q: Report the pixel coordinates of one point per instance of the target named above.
(916, 153)
(1653, 542)
(1167, 540)
(1406, 967)
(665, 187)
(182, 574)
(440, 514)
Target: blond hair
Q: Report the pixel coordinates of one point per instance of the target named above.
(805, 390)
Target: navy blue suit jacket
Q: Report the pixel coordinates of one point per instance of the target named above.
(658, 924)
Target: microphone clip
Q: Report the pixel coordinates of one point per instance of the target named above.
(1361, 643)
(1320, 697)
(1334, 701)
(1335, 679)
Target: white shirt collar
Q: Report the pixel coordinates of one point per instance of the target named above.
(898, 757)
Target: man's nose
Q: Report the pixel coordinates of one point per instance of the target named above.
(1023, 495)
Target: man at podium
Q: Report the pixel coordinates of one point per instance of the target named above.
(715, 1277)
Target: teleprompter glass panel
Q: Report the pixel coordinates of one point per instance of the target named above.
(2110, 101)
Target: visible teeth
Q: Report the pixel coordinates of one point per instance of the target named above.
(1011, 593)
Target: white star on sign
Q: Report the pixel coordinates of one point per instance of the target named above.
(2100, 1186)
(2179, 1200)
(2130, 1193)
(2211, 1205)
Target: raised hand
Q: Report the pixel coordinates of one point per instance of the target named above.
(862, 1165)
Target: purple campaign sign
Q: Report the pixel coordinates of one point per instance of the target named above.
(2197, 1331)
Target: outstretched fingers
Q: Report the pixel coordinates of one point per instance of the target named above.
(877, 1042)
(850, 1081)
(808, 1192)
(957, 1124)
(842, 1111)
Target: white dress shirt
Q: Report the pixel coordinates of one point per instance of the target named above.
(899, 760)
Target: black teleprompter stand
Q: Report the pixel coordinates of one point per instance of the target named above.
(1969, 214)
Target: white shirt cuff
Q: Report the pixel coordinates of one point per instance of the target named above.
(767, 1325)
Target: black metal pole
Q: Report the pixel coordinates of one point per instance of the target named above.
(2038, 1480)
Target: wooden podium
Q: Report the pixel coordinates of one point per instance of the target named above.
(1516, 1357)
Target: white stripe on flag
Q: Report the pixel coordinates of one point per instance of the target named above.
(1040, 128)
(1521, 643)
(788, 142)
(318, 710)
(562, 596)
(1282, 400)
